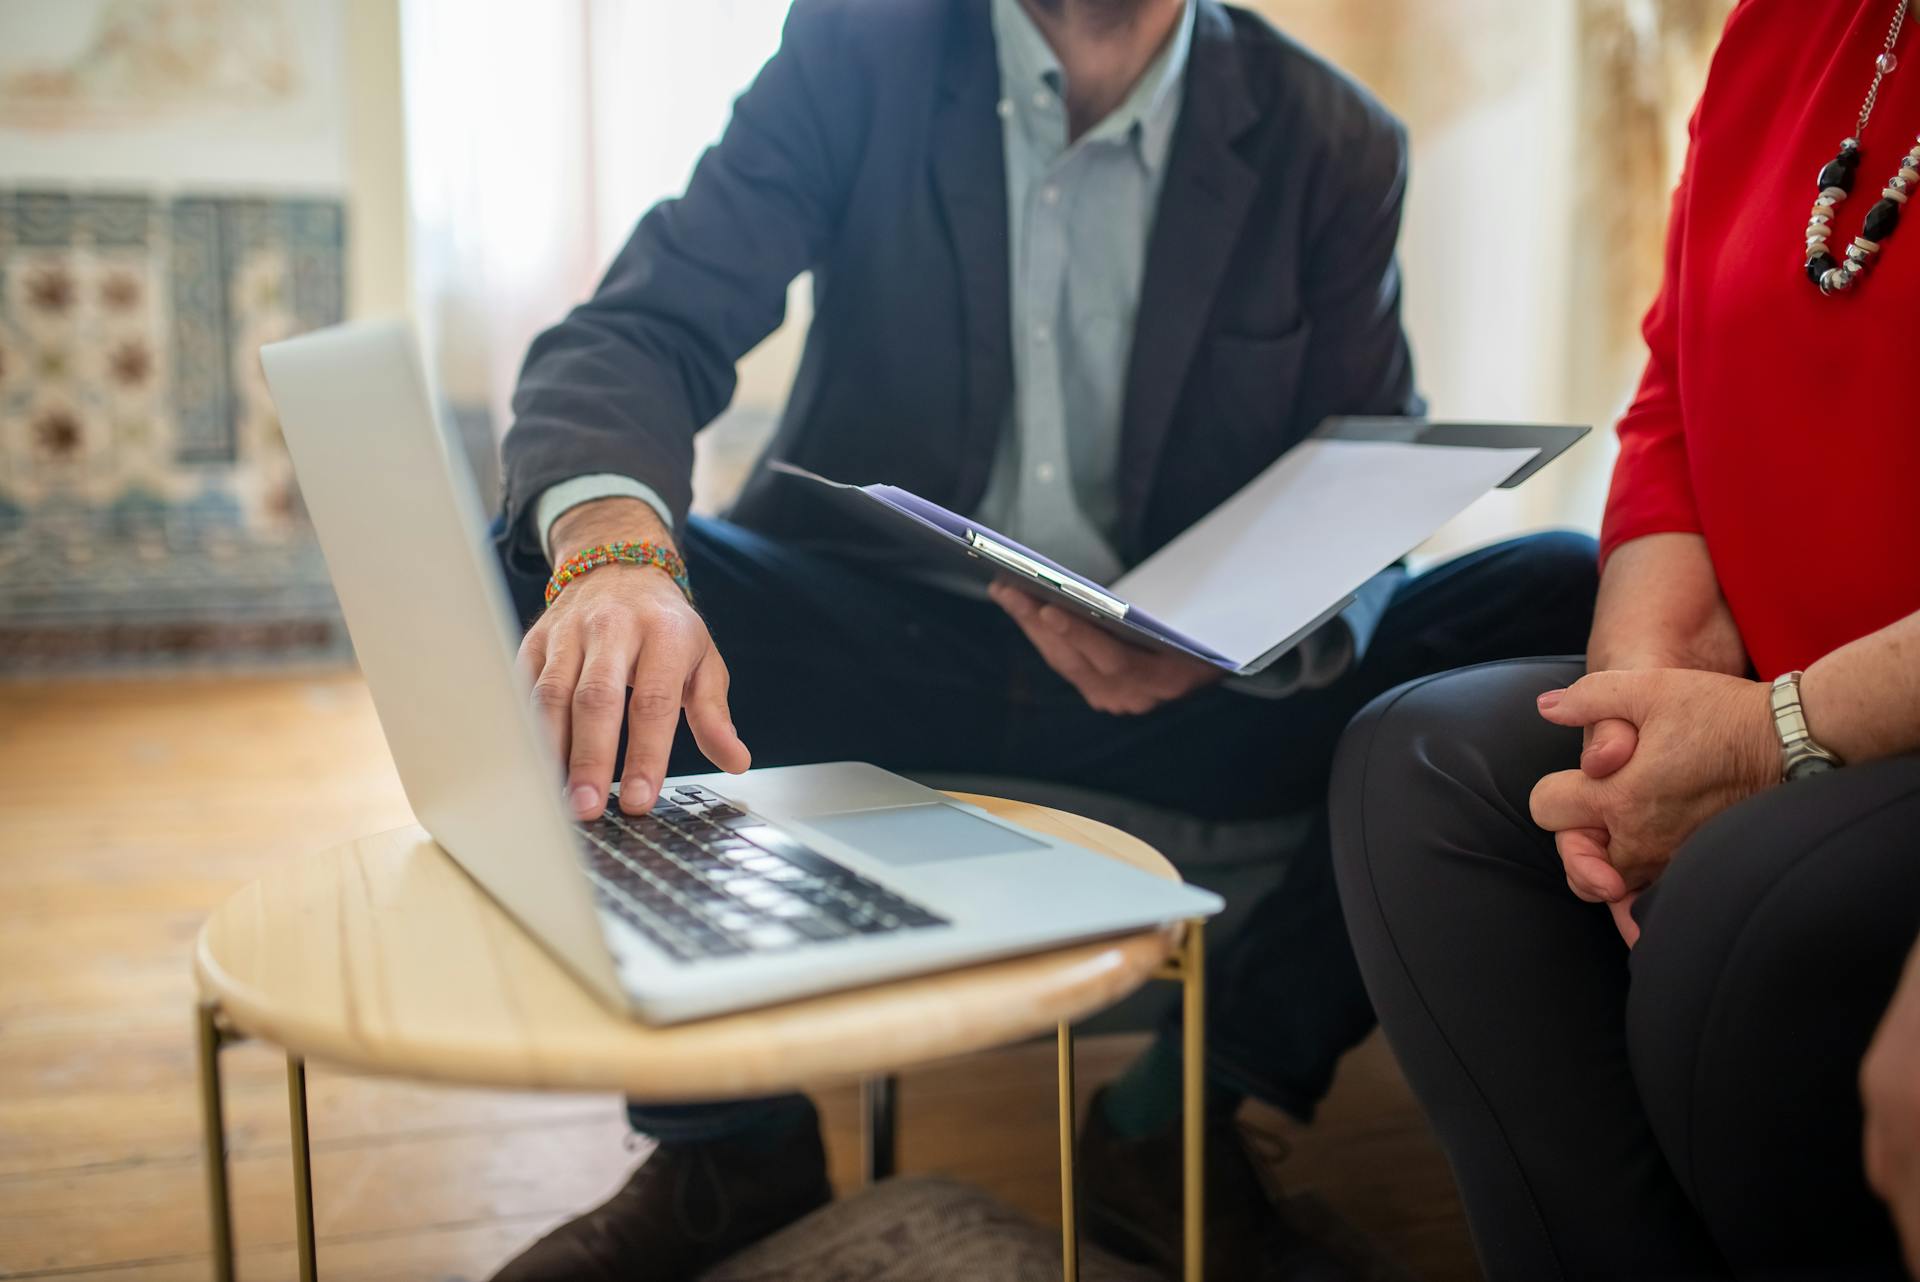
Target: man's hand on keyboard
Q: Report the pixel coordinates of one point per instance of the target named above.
(624, 628)
(1110, 675)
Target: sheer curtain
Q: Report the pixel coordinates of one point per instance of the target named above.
(537, 133)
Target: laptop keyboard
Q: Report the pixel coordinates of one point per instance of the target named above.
(702, 878)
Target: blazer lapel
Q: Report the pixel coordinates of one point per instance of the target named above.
(1203, 201)
(969, 173)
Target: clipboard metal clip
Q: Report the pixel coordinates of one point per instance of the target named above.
(999, 553)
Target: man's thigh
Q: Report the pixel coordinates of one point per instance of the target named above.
(1230, 754)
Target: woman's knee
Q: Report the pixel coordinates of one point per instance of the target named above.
(1426, 762)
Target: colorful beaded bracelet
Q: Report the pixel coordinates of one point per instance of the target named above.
(645, 553)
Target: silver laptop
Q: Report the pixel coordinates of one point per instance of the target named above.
(736, 890)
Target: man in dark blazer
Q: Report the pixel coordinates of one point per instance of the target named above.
(1081, 268)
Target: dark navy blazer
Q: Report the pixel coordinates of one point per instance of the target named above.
(868, 151)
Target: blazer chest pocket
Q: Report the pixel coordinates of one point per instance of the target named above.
(1253, 383)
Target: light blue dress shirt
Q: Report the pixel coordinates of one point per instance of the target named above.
(1079, 215)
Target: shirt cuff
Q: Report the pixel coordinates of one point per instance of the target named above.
(557, 500)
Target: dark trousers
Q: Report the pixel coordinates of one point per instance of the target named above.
(1686, 1110)
(834, 661)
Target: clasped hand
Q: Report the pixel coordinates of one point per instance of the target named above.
(1666, 750)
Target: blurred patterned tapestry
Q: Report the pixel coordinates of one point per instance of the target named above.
(147, 508)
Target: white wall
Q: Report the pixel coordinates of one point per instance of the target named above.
(378, 262)
(1491, 229)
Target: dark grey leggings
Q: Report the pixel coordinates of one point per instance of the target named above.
(1686, 1111)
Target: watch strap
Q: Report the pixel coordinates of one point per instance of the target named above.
(1800, 753)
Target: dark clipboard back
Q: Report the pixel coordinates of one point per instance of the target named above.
(943, 549)
(1551, 440)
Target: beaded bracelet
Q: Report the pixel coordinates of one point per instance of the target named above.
(644, 553)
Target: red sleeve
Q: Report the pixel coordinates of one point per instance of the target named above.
(1652, 492)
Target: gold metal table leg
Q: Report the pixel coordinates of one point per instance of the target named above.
(302, 1168)
(879, 1115)
(1193, 1031)
(1069, 1184)
(214, 1141)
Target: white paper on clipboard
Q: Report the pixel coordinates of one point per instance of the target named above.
(1323, 519)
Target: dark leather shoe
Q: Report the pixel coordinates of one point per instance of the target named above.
(1130, 1201)
(684, 1210)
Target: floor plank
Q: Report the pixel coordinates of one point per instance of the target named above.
(148, 1209)
(80, 1099)
(463, 1253)
(128, 809)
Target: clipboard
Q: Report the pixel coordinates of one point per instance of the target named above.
(1549, 441)
(1501, 455)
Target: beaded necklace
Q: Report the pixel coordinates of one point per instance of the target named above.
(1832, 275)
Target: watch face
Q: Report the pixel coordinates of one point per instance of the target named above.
(1808, 766)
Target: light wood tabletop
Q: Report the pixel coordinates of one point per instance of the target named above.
(381, 955)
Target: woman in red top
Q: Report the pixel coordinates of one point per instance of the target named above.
(1654, 1076)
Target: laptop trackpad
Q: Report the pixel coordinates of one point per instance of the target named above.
(921, 834)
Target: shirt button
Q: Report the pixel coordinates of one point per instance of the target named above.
(1042, 333)
(1050, 194)
(1043, 473)
(1005, 108)
(1041, 98)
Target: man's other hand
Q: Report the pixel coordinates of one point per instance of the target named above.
(623, 639)
(1110, 675)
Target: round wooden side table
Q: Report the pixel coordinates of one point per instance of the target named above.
(381, 956)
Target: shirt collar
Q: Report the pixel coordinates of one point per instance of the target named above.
(1033, 85)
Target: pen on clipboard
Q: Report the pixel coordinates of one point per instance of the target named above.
(1020, 563)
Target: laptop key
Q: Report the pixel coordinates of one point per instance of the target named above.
(701, 878)
(771, 936)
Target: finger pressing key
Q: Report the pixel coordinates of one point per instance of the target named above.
(598, 697)
(667, 657)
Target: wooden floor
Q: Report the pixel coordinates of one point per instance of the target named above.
(127, 810)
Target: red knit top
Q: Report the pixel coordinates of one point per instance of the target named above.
(1781, 425)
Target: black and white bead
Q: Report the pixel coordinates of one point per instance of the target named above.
(1833, 274)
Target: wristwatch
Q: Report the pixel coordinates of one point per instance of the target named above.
(1800, 754)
